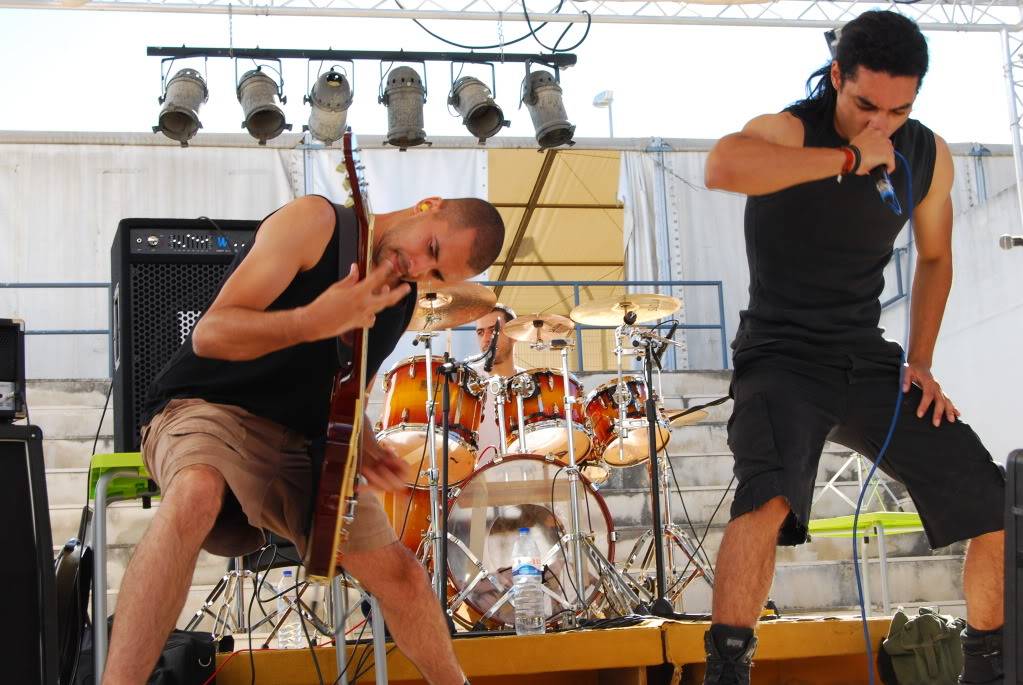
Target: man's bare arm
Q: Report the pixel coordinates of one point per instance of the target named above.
(768, 156)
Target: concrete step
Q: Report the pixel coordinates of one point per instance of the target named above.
(73, 453)
(67, 486)
(72, 421)
(77, 393)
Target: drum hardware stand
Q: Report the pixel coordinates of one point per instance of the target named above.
(574, 536)
(438, 508)
(647, 346)
(674, 536)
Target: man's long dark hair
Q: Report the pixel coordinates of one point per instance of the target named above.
(878, 40)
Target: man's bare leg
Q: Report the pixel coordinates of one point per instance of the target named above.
(745, 564)
(411, 610)
(984, 581)
(156, 581)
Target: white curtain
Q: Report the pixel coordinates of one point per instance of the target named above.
(676, 229)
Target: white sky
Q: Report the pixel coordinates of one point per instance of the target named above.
(72, 70)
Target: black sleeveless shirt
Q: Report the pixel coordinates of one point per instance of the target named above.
(817, 253)
(290, 386)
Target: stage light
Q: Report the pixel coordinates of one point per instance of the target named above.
(404, 97)
(331, 96)
(179, 117)
(542, 96)
(480, 114)
(264, 120)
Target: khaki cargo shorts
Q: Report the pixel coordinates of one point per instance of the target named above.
(268, 476)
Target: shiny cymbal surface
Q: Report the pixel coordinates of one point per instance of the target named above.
(450, 306)
(678, 418)
(611, 311)
(539, 328)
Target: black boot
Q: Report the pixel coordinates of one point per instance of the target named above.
(982, 657)
(729, 655)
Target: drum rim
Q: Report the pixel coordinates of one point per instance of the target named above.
(402, 426)
(530, 456)
(551, 369)
(438, 358)
(592, 394)
(552, 423)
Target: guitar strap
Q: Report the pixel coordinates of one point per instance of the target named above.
(347, 254)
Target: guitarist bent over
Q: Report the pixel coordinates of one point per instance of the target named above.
(232, 415)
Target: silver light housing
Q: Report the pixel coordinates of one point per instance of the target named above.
(179, 117)
(473, 100)
(258, 93)
(541, 95)
(404, 97)
(331, 96)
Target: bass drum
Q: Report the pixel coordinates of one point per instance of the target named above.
(521, 491)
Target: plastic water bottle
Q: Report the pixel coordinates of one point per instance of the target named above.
(289, 635)
(527, 576)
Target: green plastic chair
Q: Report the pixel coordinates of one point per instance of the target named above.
(112, 478)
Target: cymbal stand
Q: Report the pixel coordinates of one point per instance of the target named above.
(577, 540)
(438, 508)
(646, 344)
(497, 387)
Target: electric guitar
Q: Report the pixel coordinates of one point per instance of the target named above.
(337, 492)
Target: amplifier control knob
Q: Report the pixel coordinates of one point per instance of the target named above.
(153, 241)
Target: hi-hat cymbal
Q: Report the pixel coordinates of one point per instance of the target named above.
(450, 306)
(679, 418)
(611, 311)
(539, 328)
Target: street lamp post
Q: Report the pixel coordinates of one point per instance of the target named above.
(604, 99)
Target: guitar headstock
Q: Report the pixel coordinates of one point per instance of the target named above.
(355, 183)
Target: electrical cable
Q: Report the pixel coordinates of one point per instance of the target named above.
(888, 437)
(103, 414)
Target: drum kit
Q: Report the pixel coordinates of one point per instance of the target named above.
(461, 511)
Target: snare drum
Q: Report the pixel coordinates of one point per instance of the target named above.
(520, 491)
(403, 422)
(633, 447)
(543, 405)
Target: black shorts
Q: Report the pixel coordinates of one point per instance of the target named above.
(786, 408)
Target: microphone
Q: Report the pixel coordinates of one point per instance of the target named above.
(664, 346)
(883, 183)
(1007, 242)
(492, 349)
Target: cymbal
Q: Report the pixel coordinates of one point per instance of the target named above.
(677, 418)
(539, 328)
(450, 306)
(611, 311)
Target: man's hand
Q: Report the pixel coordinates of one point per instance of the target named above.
(876, 150)
(380, 465)
(921, 376)
(350, 303)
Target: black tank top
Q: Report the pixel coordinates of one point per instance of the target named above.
(817, 253)
(290, 386)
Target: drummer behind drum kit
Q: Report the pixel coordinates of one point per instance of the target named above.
(556, 451)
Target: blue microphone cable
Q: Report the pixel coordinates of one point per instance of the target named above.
(886, 197)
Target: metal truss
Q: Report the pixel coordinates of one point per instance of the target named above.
(932, 15)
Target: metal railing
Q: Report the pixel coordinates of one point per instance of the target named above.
(83, 285)
(577, 291)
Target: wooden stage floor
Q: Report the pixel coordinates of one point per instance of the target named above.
(818, 651)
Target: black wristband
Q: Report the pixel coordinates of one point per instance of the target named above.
(856, 158)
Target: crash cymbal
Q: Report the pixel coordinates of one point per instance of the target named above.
(450, 306)
(678, 417)
(611, 311)
(539, 328)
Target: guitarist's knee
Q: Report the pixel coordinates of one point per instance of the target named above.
(197, 494)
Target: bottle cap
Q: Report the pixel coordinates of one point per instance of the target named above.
(287, 573)
(523, 531)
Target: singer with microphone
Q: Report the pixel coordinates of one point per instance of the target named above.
(810, 361)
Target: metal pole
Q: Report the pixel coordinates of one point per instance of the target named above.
(724, 334)
(431, 448)
(1014, 124)
(661, 606)
(339, 602)
(573, 486)
(379, 640)
(610, 122)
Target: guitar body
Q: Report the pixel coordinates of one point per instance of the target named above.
(336, 496)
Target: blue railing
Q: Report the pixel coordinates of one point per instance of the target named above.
(576, 286)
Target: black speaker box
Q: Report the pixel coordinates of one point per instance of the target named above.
(164, 273)
(1013, 631)
(30, 606)
(12, 369)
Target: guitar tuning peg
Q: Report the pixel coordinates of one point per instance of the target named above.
(346, 185)
(350, 202)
